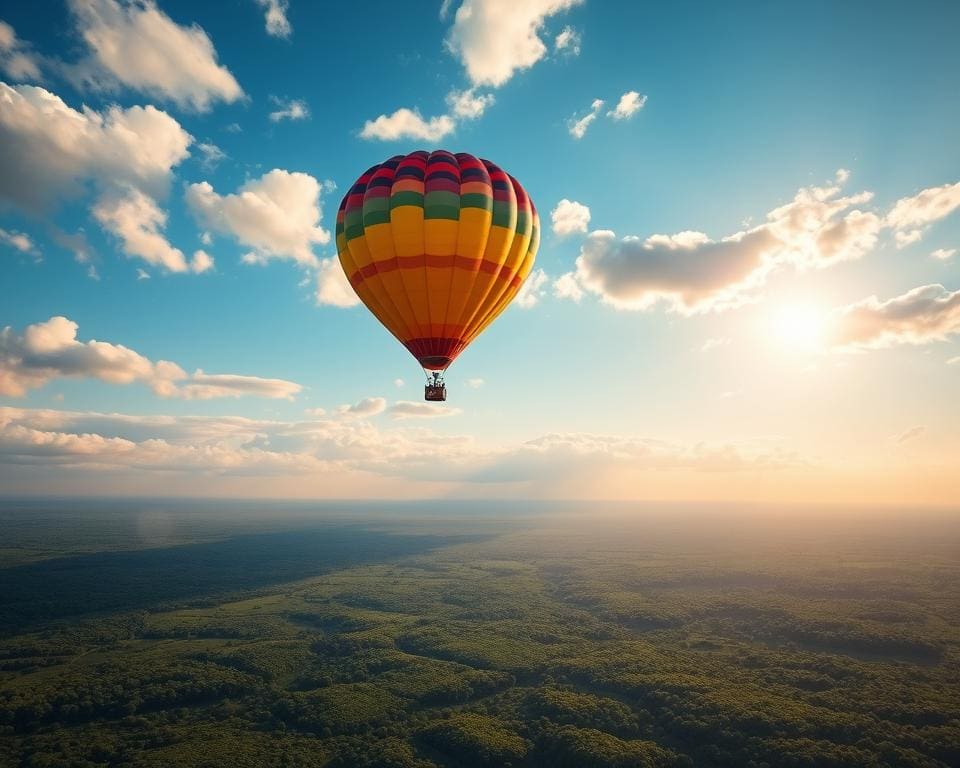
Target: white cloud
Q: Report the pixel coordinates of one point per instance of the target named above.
(16, 58)
(211, 155)
(495, 38)
(333, 288)
(405, 409)
(398, 383)
(567, 287)
(474, 383)
(713, 342)
(910, 216)
(911, 434)
(570, 217)
(532, 290)
(17, 240)
(139, 222)
(369, 406)
(293, 109)
(468, 104)
(276, 17)
(690, 272)
(919, 316)
(142, 274)
(278, 215)
(944, 254)
(48, 149)
(567, 42)
(408, 124)
(630, 103)
(954, 360)
(50, 350)
(445, 9)
(578, 126)
(135, 44)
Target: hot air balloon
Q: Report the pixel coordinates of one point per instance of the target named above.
(436, 245)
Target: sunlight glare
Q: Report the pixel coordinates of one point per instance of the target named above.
(799, 327)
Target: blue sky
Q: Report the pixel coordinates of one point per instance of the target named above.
(746, 362)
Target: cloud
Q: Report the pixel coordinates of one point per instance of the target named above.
(211, 155)
(630, 103)
(276, 17)
(910, 434)
(294, 109)
(138, 222)
(495, 38)
(18, 241)
(50, 350)
(532, 290)
(690, 272)
(567, 287)
(333, 288)
(444, 9)
(944, 254)
(567, 42)
(408, 124)
(919, 316)
(142, 274)
(136, 45)
(910, 216)
(398, 383)
(47, 149)
(405, 409)
(474, 383)
(714, 342)
(468, 104)
(954, 360)
(578, 126)
(570, 217)
(278, 215)
(16, 58)
(369, 406)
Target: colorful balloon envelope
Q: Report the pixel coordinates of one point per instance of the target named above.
(436, 245)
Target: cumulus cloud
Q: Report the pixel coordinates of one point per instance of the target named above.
(630, 103)
(333, 288)
(570, 217)
(468, 104)
(567, 287)
(278, 215)
(47, 149)
(369, 406)
(408, 124)
(292, 109)
(691, 272)
(532, 290)
(567, 42)
(17, 60)
(910, 216)
(276, 17)
(406, 409)
(51, 350)
(578, 125)
(138, 222)
(495, 38)
(944, 254)
(18, 241)
(136, 45)
(919, 316)
(398, 383)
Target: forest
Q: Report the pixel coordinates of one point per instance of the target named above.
(449, 635)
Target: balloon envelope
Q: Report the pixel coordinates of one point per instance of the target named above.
(436, 245)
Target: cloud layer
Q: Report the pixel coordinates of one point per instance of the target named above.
(50, 350)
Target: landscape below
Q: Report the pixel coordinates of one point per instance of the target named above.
(446, 634)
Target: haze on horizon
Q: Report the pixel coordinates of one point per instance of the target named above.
(748, 287)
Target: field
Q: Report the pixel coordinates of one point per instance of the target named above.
(144, 634)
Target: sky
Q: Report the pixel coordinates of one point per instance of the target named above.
(748, 285)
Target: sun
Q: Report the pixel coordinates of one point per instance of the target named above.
(799, 327)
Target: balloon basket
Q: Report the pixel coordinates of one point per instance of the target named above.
(435, 393)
